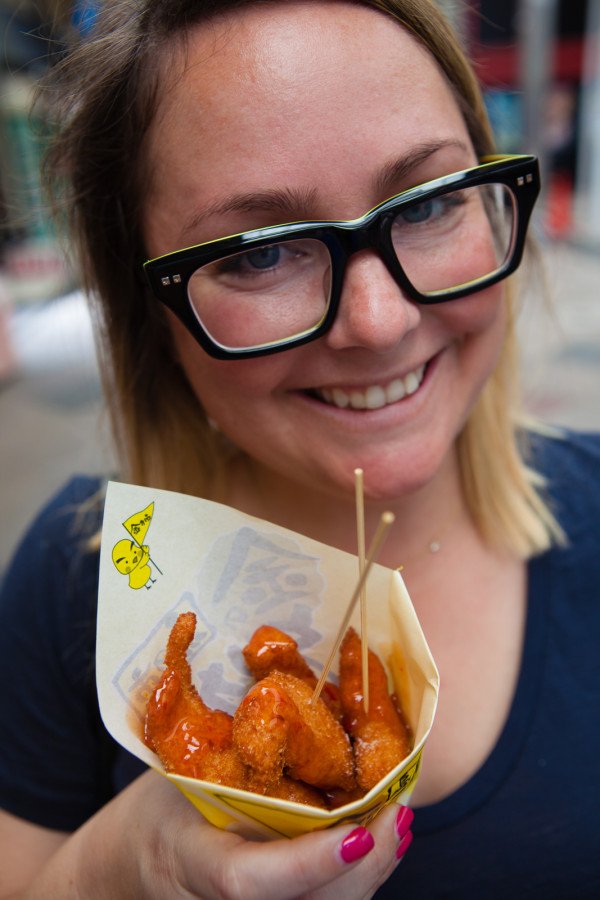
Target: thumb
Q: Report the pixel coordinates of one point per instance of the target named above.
(346, 860)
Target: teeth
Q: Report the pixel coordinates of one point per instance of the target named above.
(375, 396)
(396, 390)
(358, 400)
(340, 398)
(411, 383)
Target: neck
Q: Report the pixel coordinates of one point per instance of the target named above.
(428, 514)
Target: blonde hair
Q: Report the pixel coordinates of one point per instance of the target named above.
(503, 493)
(104, 95)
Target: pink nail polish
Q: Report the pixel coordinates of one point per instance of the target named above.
(404, 820)
(404, 844)
(358, 843)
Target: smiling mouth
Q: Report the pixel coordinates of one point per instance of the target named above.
(375, 396)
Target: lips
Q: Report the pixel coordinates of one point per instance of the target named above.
(375, 396)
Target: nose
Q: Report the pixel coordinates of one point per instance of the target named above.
(374, 313)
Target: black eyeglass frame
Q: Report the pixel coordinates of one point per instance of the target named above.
(168, 275)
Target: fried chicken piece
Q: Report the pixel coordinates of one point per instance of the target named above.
(277, 729)
(297, 792)
(379, 736)
(189, 738)
(336, 798)
(193, 740)
(271, 649)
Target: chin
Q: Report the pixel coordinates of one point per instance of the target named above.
(391, 478)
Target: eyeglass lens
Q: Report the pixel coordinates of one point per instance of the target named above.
(277, 291)
(263, 295)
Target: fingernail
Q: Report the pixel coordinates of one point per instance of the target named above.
(358, 843)
(404, 844)
(404, 820)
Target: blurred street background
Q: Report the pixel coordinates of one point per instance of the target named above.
(539, 64)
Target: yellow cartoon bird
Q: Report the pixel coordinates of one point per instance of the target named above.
(132, 560)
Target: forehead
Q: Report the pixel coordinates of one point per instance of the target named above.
(283, 46)
(289, 93)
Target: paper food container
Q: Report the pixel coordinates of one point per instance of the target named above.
(165, 553)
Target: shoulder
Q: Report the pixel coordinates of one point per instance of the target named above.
(76, 508)
(47, 642)
(567, 453)
(51, 585)
(67, 522)
(570, 466)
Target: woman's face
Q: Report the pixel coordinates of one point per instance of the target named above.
(321, 111)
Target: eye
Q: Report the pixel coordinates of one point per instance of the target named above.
(259, 266)
(264, 257)
(261, 259)
(432, 216)
(419, 213)
(431, 209)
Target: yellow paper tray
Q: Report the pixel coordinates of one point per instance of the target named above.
(237, 573)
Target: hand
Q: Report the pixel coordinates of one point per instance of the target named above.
(159, 847)
(344, 861)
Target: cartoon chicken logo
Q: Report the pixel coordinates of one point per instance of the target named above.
(131, 556)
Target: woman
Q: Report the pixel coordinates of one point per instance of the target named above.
(188, 123)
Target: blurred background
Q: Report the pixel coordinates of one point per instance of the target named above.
(539, 64)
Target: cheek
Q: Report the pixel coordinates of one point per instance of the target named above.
(480, 316)
(222, 386)
(477, 327)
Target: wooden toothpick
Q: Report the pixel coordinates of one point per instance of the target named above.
(384, 525)
(360, 532)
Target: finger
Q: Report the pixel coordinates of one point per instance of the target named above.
(218, 864)
(391, 831)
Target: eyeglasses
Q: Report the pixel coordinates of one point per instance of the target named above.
(274, 288)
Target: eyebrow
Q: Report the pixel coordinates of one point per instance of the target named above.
(296, 206)
(287, 203)
(393, 173)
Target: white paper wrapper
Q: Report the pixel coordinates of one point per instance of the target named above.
(165, 553)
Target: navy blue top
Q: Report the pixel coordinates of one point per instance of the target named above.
(527, 824)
